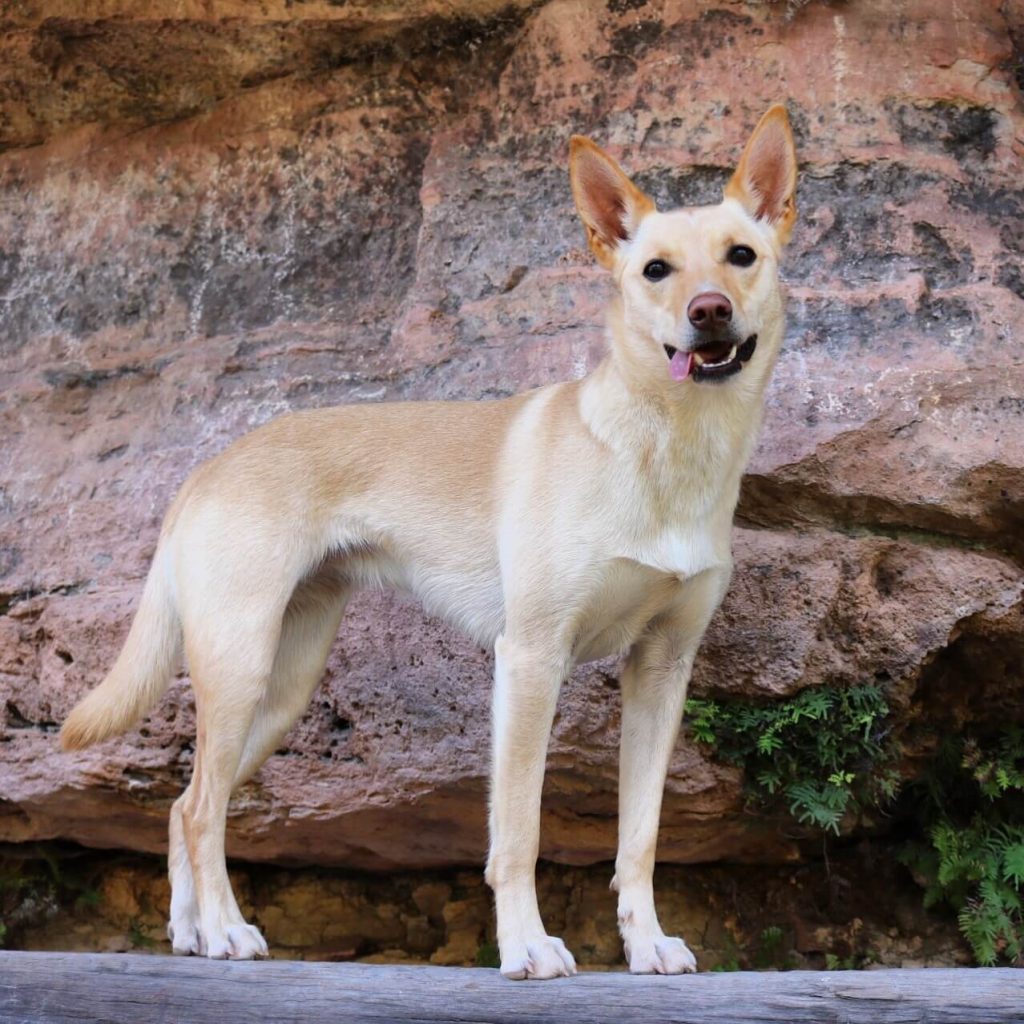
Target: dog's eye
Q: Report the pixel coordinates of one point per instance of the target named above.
(655, 270)
(741, 256)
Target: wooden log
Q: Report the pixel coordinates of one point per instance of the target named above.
(60, 988)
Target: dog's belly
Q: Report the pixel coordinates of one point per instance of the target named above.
(470, 599)
(466, 594)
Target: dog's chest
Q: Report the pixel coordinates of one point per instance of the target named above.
(678, 517)
(639, 585)
(626, 597)
(682, 551)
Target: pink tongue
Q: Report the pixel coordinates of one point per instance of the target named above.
(680, 365)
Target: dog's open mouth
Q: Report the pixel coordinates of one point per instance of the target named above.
(713, 360)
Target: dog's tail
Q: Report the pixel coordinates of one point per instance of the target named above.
(142, 671)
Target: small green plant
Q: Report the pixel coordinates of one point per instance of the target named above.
(137, 938)
(835, 962)
(487, 955)
(1001, 770)
(771, 951)
(823, 751)
(727, 966)
(971, 807)
(34, 882)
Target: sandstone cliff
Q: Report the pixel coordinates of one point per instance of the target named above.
(211, 218)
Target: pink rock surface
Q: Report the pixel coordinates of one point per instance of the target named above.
(214, 218)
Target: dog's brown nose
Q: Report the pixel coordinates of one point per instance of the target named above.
(709, 310)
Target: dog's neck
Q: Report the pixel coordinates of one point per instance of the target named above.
(689, 441)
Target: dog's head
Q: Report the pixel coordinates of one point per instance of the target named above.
(701, 301)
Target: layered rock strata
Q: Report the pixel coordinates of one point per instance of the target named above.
(213, 218)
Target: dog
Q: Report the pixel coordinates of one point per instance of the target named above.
(570, 523)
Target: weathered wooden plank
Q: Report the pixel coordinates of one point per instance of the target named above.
(70, 988)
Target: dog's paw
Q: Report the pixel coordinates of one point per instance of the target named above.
(660, 955)
(238, 941)
(184, 936)
(537, 959)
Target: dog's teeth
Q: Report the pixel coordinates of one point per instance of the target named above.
(698, 358)
(724, 362)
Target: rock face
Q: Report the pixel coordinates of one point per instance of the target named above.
(210, 219)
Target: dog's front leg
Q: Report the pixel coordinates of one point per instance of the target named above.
(654, 686)
(526, 685)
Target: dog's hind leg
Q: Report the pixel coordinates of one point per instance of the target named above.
(307, 631)
(230, 681)
(309, 628)
(183, 927)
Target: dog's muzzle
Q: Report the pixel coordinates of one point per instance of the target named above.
(719, 353)
(711, 360)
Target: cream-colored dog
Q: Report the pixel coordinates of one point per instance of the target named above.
(567, 524)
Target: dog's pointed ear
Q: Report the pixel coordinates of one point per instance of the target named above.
(609, 204)
(765, 179)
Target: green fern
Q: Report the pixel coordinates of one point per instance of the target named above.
(974, 857)
(826, 754)
(1013, 863)
(823, 752)
(1001, 769)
